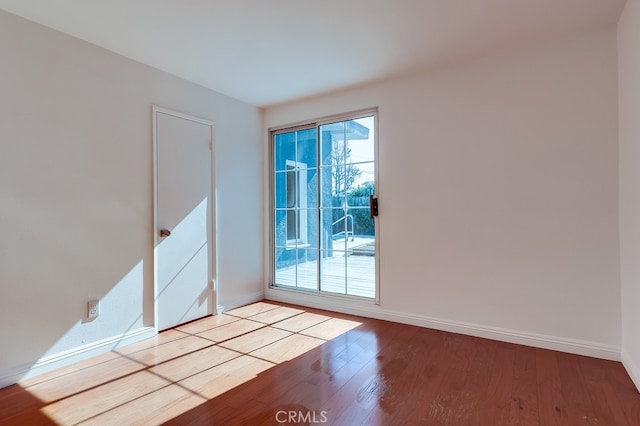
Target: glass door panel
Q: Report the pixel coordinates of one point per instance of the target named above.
(323, 231)
(347, 170)
(295, 209)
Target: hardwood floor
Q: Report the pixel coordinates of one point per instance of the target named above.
(270, 363)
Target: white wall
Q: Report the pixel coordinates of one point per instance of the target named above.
(76, 191)
(629, 111)
(498, 194)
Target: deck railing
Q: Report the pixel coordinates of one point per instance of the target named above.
(345, 230)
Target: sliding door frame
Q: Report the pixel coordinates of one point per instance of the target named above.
(316, 124)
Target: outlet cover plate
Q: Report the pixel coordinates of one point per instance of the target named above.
(93, 309)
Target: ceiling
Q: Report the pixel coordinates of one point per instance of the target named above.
(266, 52)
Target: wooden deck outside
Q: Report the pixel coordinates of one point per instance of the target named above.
(353, 275)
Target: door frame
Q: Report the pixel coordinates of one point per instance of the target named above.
(212, 309)
(316, 123)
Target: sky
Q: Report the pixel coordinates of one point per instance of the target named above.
(364, 150)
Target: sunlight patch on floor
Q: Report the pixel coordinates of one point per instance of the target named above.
(155, 380)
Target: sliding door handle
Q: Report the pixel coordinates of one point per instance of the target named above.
(373, 206)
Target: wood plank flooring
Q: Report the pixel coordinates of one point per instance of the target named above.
(270, 363)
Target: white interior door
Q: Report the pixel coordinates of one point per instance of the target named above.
(184, 249)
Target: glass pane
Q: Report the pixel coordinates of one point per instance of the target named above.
(307, 269)
(310, 192)
(296, 188)
(360, 145)
(280, 190)
(339, 152)
(306, 147)
(347, 141)
(359, 196)
(361, 267)
(308, 222)
(280, 228)
(337, 182)
(342, 179)
(337, 228)
(363, 223)
(358, 201)
(326, 145)
(292, 225)
(332, 192)
(362, 177)
(284, 148)
(291, 190)
(333, 271)
(285, 265)
(348, 147)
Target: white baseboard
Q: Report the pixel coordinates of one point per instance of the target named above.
(62, 359)
(371, 310)
(632, 368)
(240, 301)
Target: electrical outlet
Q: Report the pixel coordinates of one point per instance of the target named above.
(93, 309)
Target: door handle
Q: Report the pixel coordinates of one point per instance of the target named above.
(373, 206)
(165, 233)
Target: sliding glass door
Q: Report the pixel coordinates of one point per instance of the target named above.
(323, 233)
